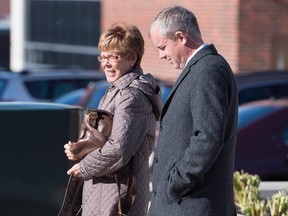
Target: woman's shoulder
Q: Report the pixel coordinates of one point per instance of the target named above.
(131, 92)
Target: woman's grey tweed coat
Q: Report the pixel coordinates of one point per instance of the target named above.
(135, 101)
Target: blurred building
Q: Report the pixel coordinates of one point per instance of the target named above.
(251, 35)
(54, 33)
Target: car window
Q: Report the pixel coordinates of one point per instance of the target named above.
(70, 98)
(249, 114)
(52, 89)
(96, 97)
(279, 91)
(165, 90)
(2, 86)
(263, 92)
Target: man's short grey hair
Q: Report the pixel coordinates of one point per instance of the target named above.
(176, 18)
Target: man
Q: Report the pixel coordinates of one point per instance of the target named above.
(193, 173)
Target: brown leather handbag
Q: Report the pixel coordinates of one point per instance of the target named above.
(95, 129)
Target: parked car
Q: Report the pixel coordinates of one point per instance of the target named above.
(261, 85)
(92, 94)
(262, 143)
(46, 85)
(85, 97)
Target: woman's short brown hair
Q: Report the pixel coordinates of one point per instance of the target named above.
(125, 38)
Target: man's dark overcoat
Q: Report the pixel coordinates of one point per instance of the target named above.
(193, 172)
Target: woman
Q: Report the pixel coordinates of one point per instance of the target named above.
(134, 100)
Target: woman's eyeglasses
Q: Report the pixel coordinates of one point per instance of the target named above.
(110, 58)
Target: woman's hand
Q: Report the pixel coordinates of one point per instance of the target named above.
(68, 153)
(75, 171)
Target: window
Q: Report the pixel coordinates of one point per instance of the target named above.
(263, 92)
(62, 33)
(52, 89)
(280, 52)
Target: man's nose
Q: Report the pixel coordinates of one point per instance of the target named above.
(162, 55)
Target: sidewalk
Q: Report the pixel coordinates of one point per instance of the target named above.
(268, 188)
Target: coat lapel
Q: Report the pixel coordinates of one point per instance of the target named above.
(208, 50)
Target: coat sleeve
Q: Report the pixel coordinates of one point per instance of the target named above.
(130, 125)
(209, 104)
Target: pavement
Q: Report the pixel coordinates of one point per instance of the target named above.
(266, 188)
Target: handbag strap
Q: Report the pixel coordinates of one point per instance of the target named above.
(119, 212)
(131, 190)
(72, 201)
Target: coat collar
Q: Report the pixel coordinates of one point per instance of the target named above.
(127, 78)
(207, 50)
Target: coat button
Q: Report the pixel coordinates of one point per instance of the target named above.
(156, 160)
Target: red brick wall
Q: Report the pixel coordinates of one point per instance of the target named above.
(260, 23)
(218, 22)
(4, 7)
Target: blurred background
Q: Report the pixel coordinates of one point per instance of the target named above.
(49, 73)
(252, 35)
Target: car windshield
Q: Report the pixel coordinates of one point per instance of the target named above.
(70, 98)
(96, 97)
(2, 84)
(249, 114)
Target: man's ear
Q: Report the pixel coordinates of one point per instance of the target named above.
(181, 37)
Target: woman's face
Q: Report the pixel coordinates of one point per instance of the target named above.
(115, 64)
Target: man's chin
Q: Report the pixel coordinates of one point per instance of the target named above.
(177, 66)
